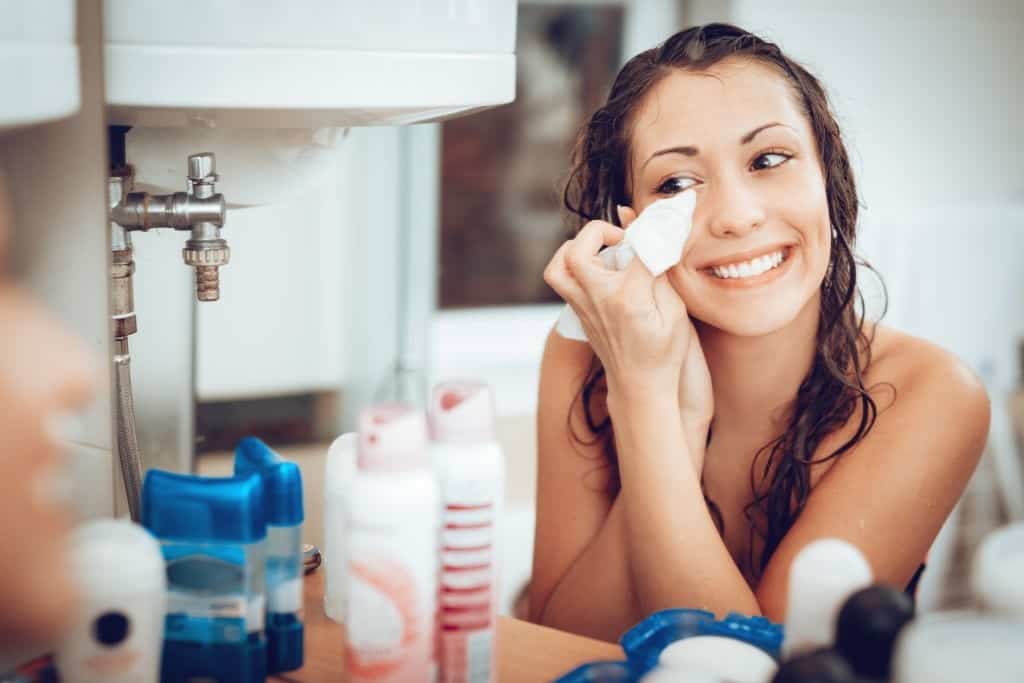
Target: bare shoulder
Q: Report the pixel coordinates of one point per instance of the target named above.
(923, 378)
(564, 370)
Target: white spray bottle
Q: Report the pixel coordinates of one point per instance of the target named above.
(472, 472)
(392, 524)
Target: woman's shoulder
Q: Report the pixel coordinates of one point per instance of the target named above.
(918, 377)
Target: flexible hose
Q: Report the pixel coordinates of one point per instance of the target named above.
(127, 439)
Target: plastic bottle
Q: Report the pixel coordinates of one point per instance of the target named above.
(997, 573)
(338, 474)
(823, 575)
(117, 633)
(394, 515)
(869, 623)
(212, 532)
(954, 647)
(282, 498)
(816, 666)
(472, 474)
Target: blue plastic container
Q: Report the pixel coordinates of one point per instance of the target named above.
(212, 532)
(282, 495)
(600, 672)
(645, 642)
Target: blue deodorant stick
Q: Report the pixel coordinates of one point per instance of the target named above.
(212, 533)
(282, 495)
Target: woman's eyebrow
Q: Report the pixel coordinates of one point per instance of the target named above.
(693, 150)
(752, 134)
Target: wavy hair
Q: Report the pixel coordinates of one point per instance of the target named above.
(780, 475)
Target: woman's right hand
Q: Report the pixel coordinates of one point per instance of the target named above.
(637, 324)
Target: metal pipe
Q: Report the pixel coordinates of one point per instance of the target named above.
(127, 439)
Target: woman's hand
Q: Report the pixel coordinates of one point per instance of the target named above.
(639, 328)
(636, 324)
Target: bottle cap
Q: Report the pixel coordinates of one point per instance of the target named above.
(115, 556)
(188, 507)
(462, 412)
(869, 623)
(816, 666)
(392, 438)
(282, 480)
(823, 575)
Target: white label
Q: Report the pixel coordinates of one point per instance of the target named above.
(285, 596)
(221, 606)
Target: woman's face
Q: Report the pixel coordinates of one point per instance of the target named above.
(43, 376)
(761, 237)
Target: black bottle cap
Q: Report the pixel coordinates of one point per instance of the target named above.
(818, 666)
(868, 624)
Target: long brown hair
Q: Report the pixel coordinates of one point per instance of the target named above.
(833, 388)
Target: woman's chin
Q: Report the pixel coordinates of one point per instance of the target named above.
(756, 320)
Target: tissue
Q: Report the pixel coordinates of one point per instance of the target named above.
(656, 237)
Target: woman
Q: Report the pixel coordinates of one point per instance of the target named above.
(43, 376)
(738, 407)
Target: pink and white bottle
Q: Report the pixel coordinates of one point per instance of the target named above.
(393, 519)
(472, 472)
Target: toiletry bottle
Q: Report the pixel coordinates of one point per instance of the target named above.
(823, 575)
(212, 533)
(282, 500)
(867, 628)
(816, 666)
(117, 632)
(472, 473)
(338, 474)
(997, 572)
(954, 647)
(738, 648)
(393, 532)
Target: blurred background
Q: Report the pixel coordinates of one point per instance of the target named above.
(416, 255)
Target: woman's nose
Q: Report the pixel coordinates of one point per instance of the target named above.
(732, 209)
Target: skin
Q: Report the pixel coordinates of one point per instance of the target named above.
(686, 347)
(44, 373)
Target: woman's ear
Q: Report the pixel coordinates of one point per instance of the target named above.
(626, 215)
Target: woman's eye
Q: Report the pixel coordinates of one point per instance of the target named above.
(769, 160)
(675, 185)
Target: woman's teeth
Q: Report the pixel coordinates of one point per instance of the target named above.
(751, 268)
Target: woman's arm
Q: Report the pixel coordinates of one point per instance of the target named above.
(890, 495)
(677, 556)
(580, 580)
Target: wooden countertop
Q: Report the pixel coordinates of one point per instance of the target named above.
(526, 652)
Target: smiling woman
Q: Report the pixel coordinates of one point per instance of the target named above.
(733, 410)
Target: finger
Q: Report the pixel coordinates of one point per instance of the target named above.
(558, 276)
(626, 215)
(667, 299)
(595, 235)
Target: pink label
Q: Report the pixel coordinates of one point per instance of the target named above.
(391, 641)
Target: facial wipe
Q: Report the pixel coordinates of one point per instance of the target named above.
(656, 237)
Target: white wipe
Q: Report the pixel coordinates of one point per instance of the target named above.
(656, 237)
